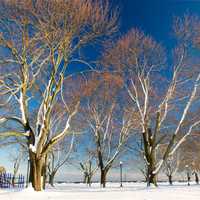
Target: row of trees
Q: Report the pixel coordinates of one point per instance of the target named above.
(184, 162)
(131, 87)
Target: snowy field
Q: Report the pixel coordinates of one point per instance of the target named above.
(130, 191)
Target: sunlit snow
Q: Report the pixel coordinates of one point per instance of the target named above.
(130, 191)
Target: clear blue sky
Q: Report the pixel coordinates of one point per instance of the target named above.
(154, 17)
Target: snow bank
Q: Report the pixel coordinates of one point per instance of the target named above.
(130, 191)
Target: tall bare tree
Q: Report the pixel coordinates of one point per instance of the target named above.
(163, 102)
(109, 120)
(39, 40)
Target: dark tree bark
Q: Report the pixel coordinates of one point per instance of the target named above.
(150, 155)
(88, 180)
(103, 178)
(170, 179)
(196, 178)
(188, 178)
(151, 179)
(51, 178)
(101, 163)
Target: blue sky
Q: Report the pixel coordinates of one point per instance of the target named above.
(154, 17)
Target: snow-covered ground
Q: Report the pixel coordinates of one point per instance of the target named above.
(130, 191)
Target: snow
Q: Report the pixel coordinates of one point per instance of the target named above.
(159, 165)
(130, 191)
(2, 120)
(32, 148)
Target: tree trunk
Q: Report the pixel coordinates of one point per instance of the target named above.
(36, 172)
(170, 179)
(196, 178)
(13, 180)
(151, 176)
(31, 172)
(100, 160)
(44, 171)
(103, 178)
(151, 179)
(188, 178)
(88, 180)
(51, 178)
(44, 177)
(38, 178)
(150, 155)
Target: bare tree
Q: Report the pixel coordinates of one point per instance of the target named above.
(84, 156)
(109, 121)
(16, 164)
(171, 164)
(189, 157)
(88, 170)
(59, 156)
(162, 102)
(39, 40)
